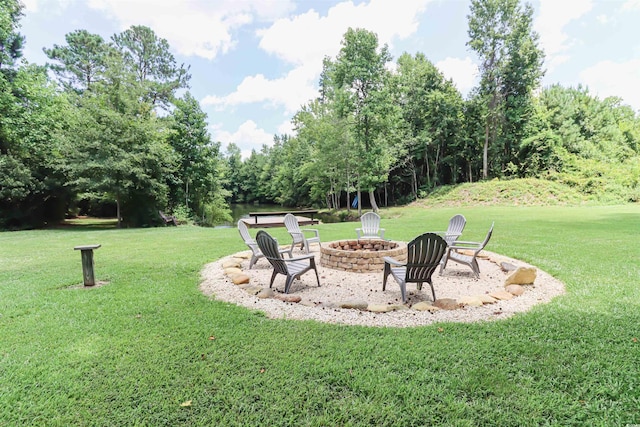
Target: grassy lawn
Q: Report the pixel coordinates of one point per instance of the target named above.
(150, 349)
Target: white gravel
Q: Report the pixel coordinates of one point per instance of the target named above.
(318, 303)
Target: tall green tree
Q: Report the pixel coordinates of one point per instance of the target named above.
(82, 62)
(359, 76)
(501, 34)
(149, 58)
(11, 41)
(199, 158)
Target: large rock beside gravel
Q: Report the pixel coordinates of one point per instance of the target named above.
(291, 298)
(230, 263)
(516, 290)
(232, 271)
(265, 293)
(379, 308)
(486, 299)
(502, 295)
(521, 276)
(354, 304)
(239, 279)
(424, 306)
(446, 304)
(253, 290)
(470, 301)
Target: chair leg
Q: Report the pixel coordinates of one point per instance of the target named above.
(273, 276)
(253, 261)
(385, 274)
(476, 268)
(432, 291)
(287, 285)
(403, 291)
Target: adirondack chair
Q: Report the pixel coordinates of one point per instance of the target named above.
(251, 243)
(370, 227)
(454, 253)
(291, 268)
(297, 234)
(423, 257)
(454, 230)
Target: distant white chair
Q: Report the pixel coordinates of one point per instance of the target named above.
(454, 229)
(469, 256)
(297, 234)
(370, 227)
(256, 253)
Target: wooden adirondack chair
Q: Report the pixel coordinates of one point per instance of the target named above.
(291, 268)
(423, 257)
(454, 253)
(253, 245)
(297, 234)
(370, 227)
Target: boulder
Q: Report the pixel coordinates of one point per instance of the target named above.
(507, 266)
(232, 271)
(354, 304)
(502, 295)
(516, 290)
(290, 298)
(424, 306)
(240, 279)
(265, 293)
(230, 263)
(253, 290)
(379, 308)
(486, 299)
(470, 301)
(521, 276)
(446, 304)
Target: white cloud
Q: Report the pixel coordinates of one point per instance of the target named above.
(631, 5)
(550, 24)
(286, 128)
(608, 78)
(248, 137)
(463, 72)
(304, 40)
(194, 28)
(311, 37)
(290, 91)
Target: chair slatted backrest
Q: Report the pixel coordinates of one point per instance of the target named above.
(454, 230)
(244, 232)
(370, 223)
(291, 222)
(423, 256)
(269, 248)
(486, 239)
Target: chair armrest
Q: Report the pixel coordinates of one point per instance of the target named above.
(459, 244)
(301, 258)
(393, 261)
(311, 230)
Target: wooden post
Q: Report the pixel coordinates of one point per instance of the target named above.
(87, 263)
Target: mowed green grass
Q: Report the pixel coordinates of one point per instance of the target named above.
(150, 349)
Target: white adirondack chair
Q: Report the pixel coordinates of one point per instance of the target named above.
(298, 235)
(256, 254)
(370, 227)
(471, 250)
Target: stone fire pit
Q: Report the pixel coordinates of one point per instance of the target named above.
(360, 256)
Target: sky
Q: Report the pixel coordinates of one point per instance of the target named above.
(254, 63)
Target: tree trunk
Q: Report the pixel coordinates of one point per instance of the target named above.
(118, 212)
(485, 152)
(372, 198)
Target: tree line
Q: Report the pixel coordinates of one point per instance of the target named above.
(106, 133)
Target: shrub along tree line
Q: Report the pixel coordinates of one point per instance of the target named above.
(109, 135)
